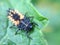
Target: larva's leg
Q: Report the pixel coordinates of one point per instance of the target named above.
(28, 35)
(34, 23)
(17, 31)
(12, 26)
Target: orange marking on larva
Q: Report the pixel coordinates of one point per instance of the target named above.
(16, 22)
(10, 18)
(10, 14)
(21, 17)
(16, 11)
(13, 11)
(13, 21)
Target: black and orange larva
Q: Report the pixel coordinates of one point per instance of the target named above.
(21, 21)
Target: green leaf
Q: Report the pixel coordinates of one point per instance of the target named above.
(7, 35)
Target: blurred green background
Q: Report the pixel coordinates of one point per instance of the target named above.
(51, 10)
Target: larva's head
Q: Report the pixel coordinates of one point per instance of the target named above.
(15, 14)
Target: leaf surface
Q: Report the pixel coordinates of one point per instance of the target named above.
(7, 35)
